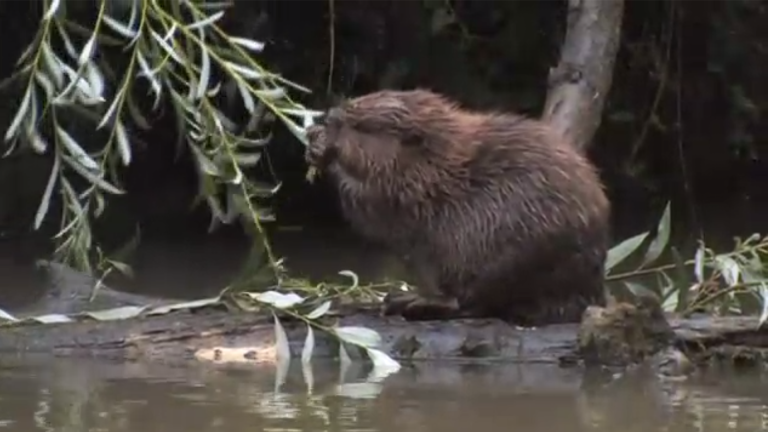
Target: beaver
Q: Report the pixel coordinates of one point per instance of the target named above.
(499, 215)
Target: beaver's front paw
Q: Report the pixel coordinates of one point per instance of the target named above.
(415, 307)
(318, 145)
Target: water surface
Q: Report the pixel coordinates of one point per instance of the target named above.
(64, 394)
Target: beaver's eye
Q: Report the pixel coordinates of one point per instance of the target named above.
(411, 140)
(367, 127)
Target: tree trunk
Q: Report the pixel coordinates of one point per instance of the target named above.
(578, 86)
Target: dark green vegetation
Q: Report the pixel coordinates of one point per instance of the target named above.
(181, 104)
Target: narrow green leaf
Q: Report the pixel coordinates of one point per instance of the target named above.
(278, 299)
(6, 316)
(167, 48)
(699, 264)
(52, 9)
(38, 144)
(245, 94)
(121, 267)
(253, 143)
(223, 122)
(76, 81)
(382, 363)
(21, 113)
(247, 160)
(271, 94)
(244, 71)
(302, 112)
(205, 73)
(238, 177)
(360, 336)
(87, 52)
(95, 79)
(33, 46)
(206, 21)
(46, 84)
(164, 309)
(112, 109)
(206, 165)
(637, 289)
(119, 27)
(320, 310)
(75, 150)
(123, 144)
(147, 72)
(214, 91)
(45, 202)
(52, 319)
(671, 302)
(764, 298)
(621, 251)
(135, 5)
(91, 177)
(281, 341)
(68, 46)
(249, 44)
(101, 204)
(119, 313)
(659, 243)
(352, 275)
(30, 125)
(309, 346)
(52, 65)
(729, 268)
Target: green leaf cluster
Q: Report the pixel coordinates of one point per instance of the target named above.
(178, 51)
(723, 283)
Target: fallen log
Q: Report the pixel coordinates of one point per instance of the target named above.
(211, 331)
(183, 334)
(197, 333)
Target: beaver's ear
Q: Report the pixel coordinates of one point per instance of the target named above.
(334, 117)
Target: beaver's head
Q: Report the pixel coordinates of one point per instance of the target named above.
(382, 125)
(402, 113)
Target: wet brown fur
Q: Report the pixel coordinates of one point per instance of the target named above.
(499, 215)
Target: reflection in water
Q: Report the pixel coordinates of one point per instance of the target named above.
(99, 396)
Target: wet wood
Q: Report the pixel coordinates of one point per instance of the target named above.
(203, 333)
(184, 335)
(579, 84)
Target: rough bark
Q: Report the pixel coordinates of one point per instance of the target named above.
(212, 334)
(578, 86)
(183, 335)
(215, 333)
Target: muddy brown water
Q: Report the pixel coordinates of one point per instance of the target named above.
(82, 395)
(88, 395)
